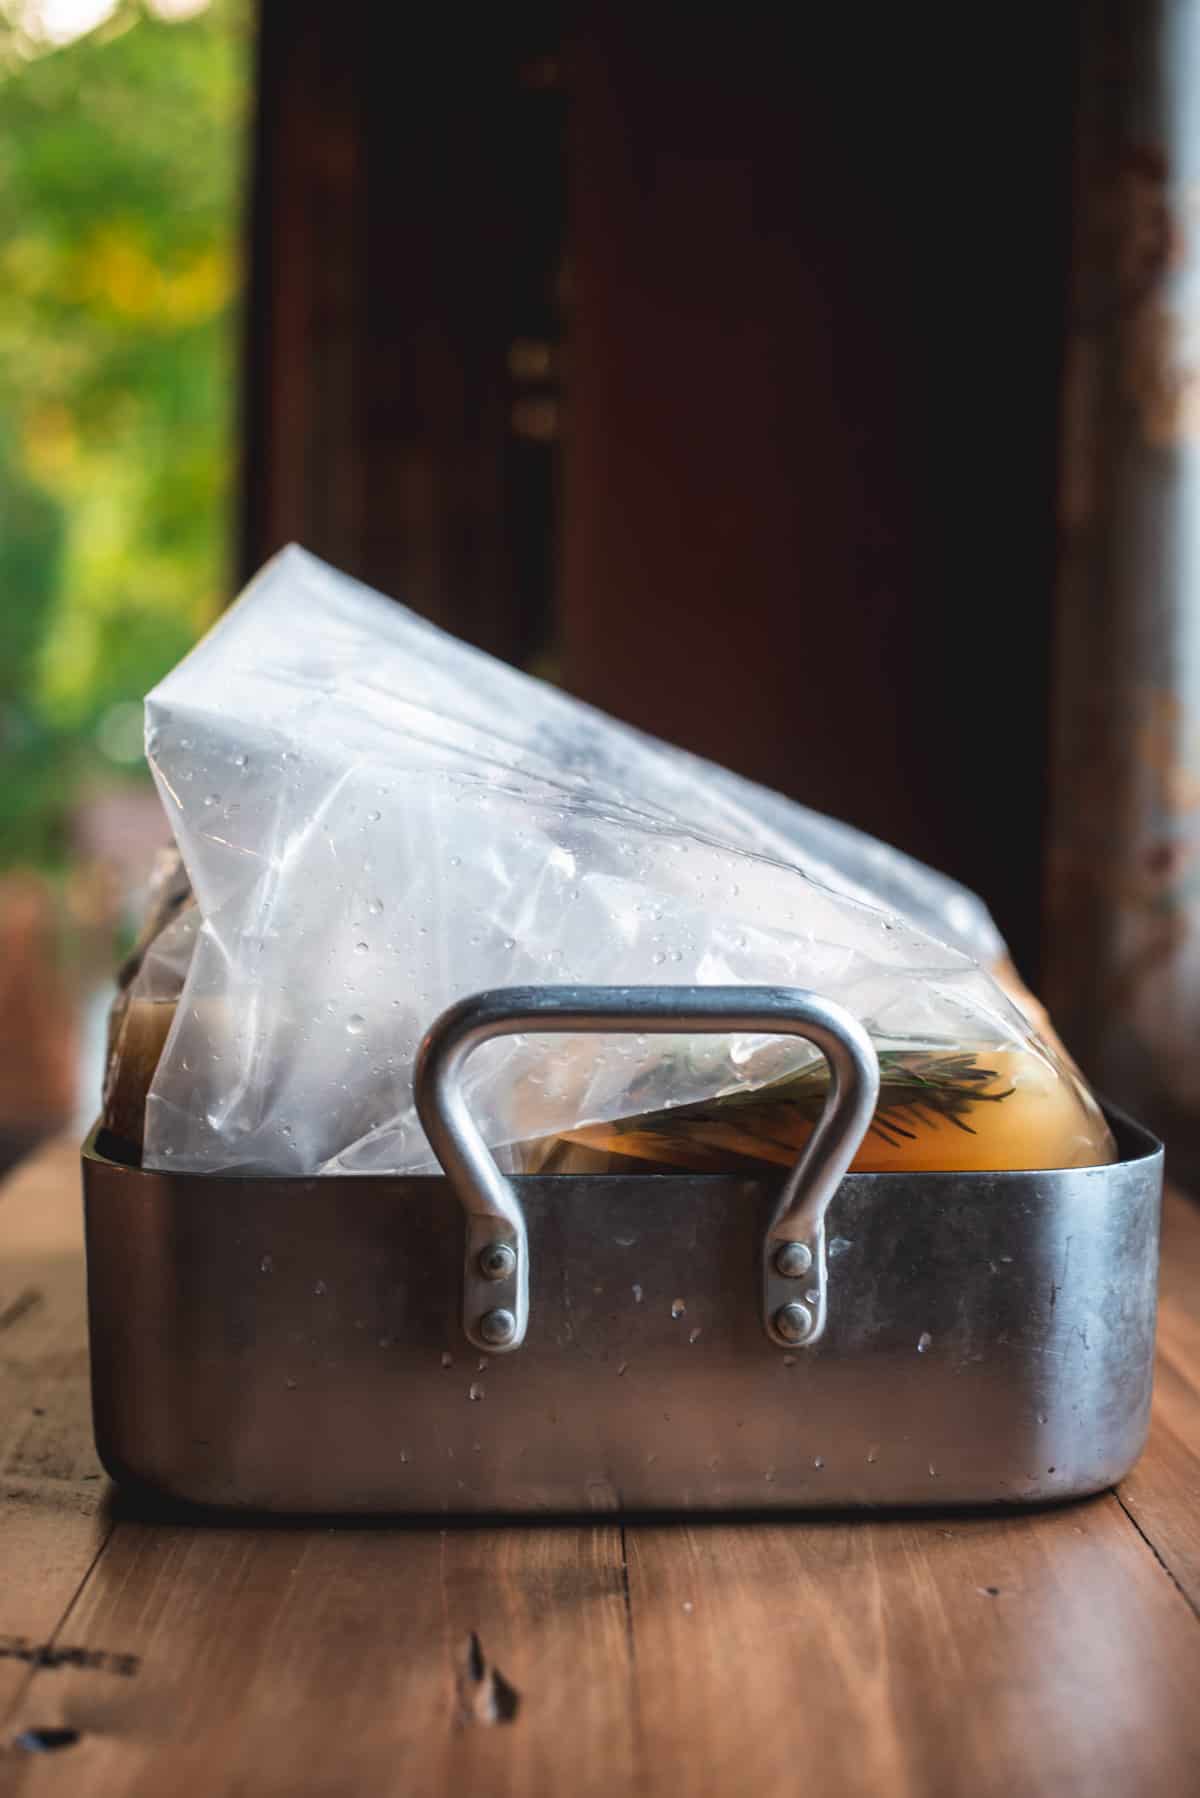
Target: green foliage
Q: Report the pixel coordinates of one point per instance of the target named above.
(121, 160)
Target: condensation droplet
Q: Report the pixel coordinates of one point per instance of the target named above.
(212, 799)
(290, 1384)
(924, 1341)
(447, 1358)
(677, 1307)
(872, 1456)
(355, 1024)
(818, 1462)
(320, 1289)
(267, 1265)
(475, 1391)
(621, 1368)
(375, 907)
(637, 1294)
(362, 948)
(374, 817)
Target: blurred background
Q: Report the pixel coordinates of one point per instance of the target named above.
(793, 401)
(123, 153)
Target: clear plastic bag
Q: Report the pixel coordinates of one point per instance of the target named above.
(377, 819)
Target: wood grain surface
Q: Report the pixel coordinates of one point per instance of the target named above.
(1053, 1653)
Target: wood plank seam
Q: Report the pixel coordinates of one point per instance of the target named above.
(1182, 1590)
(22, 1691)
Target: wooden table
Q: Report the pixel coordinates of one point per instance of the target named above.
(1055, 1652)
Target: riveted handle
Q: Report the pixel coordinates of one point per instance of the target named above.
(496, 1277)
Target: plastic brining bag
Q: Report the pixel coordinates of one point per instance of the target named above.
(377, 820)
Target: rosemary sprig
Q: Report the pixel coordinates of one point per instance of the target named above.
(915, 1087)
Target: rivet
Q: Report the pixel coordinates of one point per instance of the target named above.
(793, 1260)
(497, 1261)
(793, 1322)
(497, 1327)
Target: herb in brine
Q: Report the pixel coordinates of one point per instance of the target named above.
(937, 1110)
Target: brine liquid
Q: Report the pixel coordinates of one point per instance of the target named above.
(1029, 1113)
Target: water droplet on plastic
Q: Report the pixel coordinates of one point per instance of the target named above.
(212, 799)
(456, 861)
(447, 1358)
(677, 1307)
(362, 948)
(320, 1289)
(267, 1265)
(290, 1384)
(621, 1368)
(933, 1472)
(789, 1360)
(694, 1335)
(924, 1341)
(838, 1246)
(475, 1391)
(355, 1024)
(375, 906)
(872, 1456)
(374, 817)
(1041, 1417)
(818, 1462)
(240, 761)
(637, 1294)
(403, 1456)
(658, 958)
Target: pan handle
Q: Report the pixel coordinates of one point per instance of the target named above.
(496, 1281)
